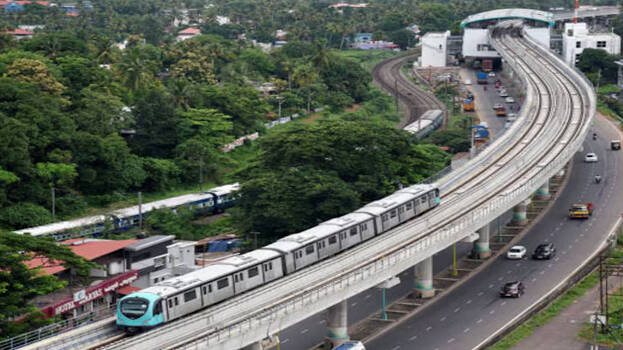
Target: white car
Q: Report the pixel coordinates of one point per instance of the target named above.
(491, 75)
(497, 106)
(590, 158)
(516, 252)
(503, 93)
(467, 82)
(510, 100)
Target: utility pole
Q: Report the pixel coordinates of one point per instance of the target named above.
(396, 94)
(201, 173)
(254, 233)
(140, 210)
(53, 205)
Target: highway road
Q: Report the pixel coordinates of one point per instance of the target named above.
(468, 315)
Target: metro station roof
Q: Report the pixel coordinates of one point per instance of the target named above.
(535, 15)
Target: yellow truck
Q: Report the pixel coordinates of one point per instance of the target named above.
(581, 211)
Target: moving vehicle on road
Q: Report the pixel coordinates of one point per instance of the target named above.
(544, 251)
(516, 252)
(513, 289)
(500, 112)
(509, 99)
(350, 345)
(468, 105)
(467, 82)
(581, 210)
(179, 296)
(497, 106)
(590, 158)
(481, 78)
(503, 93)
(615, 145)
(491, 74)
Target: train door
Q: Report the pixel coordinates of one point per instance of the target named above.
(173, 304)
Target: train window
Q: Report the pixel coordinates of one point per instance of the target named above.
(254, 271)
(222, 283)
(176, 301)
(207, 289)
(392, 213)
(270, 265)
(401, 210)
(332, 240)
(384, 217)
(309, 249)
(353, 231)
(241, 276)
(236, 278)
(265, 267)
(409, 206)
(423, 200)
(191, 295)
(170, 303)
(363, 227)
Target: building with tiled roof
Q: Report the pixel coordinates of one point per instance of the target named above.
(19, 34)
(188, 33)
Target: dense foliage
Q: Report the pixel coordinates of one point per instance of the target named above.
(308, 173)
(146, 120)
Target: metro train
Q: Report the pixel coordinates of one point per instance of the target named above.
(214, 200)
(176, 297)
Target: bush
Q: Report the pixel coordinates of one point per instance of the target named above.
(24, 215)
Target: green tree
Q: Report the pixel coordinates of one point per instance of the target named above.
(19, 283)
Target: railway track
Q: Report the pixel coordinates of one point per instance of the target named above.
(415, 101)
(558, 117)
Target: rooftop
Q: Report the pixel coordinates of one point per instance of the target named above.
(89, 249)
(536, 15)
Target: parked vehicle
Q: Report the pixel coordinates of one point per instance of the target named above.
(500, 112)
(468, 105)
(581, 211)
(503, 93)
(615, 145)
(497, 106)
(544, 251)
(516, 252)
(509, 99)
(467, 82)
(179, 296)
(513, 289)
(491, 74)
(590, 157)
(481, 78)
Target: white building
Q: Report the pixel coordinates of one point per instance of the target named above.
(435, 49)
(576, 38)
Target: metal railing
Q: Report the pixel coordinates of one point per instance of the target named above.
(57, 328)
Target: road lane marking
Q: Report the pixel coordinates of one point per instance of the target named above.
(285, 341)
(413, 338)
(396, 347)
(451, 340)
(304, 331)
(429, 328)
(491, 286)
(353, 304)
(503, 303)
(457, 309)
(469, 301)
(481, 293)
(442, 319)
(466, 330)
(322, 322)
(479, 321)
(534, 279)
(368, 296)
(491, 312)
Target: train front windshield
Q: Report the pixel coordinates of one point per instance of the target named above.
(134, 308)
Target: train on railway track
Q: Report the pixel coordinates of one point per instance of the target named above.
(214, 200)
(176, 297)
(428, 122)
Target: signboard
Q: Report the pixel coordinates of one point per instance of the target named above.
(91, 293)
(480, 133)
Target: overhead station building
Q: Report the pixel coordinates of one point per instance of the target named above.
(475, 27)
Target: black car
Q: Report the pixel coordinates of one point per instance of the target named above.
(544, 251)
(512, 289)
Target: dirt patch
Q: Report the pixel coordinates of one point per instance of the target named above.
(353, 108)
(312, 118)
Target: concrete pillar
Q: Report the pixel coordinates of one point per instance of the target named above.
(520, 217)
(542, 192)
(337, 324)
(253, 346)
(424, 279)
(481, 245)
